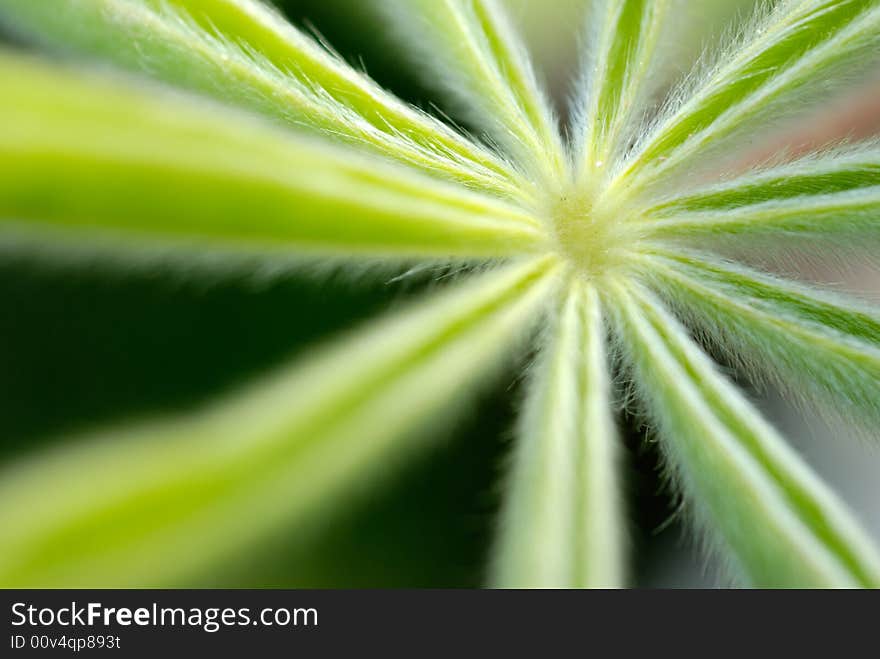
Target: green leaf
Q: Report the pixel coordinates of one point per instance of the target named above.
(90, 158)
(794, 53)
(850, 218)
(474, 53)
(839, 170)
(623, 41)
(243, 52)
(162, 503)
(780, 523)
(562, 525)
(820, 348)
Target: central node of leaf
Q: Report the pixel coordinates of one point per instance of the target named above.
(587, 232)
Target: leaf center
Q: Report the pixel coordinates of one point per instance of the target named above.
(591, 232)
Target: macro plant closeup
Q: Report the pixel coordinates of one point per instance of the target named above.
(611, 265)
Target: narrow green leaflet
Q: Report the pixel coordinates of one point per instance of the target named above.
(840, 170)
(623, 39)
(849, 218)
(473, 52)
(562, 526)
(780, 523)
(243, 52)
(156, 506)
(798, 50)
(822, 349)
(93, 158)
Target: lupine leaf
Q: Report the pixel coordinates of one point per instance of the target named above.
(474, 53)
(624, 36)
(849, 218)
(75, 152)
(839, 170)
(819, 347)
(160, 504)
(243, 52)
(796, 51)
(608, 228)
(782, 526)
(635, 51)
(562, 526)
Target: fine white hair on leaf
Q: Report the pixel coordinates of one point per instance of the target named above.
(778, 521)
(222, 178)
(619, 229)
(634, 52)
(617, 87)
(562, 525)
(789, 57)
(820, 348)
(825, 199)
(474, 54)
(287, 449)
(849, 218)
(243, 52)
(838, 168)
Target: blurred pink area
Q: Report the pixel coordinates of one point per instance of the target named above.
(852, 118)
